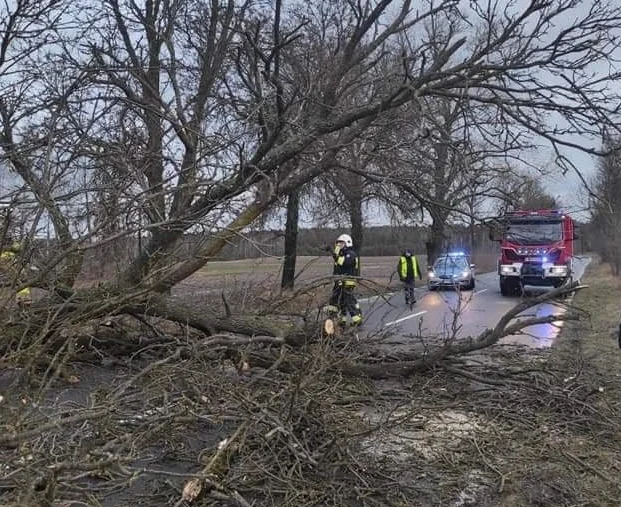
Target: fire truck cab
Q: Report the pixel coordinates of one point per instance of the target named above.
(536, 248)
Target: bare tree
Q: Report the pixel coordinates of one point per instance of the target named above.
(185, 116)
(526, 192)
(222, 96)
(606, 207)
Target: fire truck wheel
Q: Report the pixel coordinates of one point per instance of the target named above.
(510, 287)
(505, 289)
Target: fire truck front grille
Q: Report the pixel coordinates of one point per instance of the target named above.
(552, 256)
(532, 270)
(512, 255)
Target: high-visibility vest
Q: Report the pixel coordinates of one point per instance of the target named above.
(408, 267)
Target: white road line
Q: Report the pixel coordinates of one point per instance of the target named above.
(479, 292)
(404, 318)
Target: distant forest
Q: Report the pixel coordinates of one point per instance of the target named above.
(377, 241)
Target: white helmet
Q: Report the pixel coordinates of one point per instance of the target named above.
(345, 238)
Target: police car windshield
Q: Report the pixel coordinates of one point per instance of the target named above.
(450, 262)
(534, 232)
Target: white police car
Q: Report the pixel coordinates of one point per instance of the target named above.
(452, 270)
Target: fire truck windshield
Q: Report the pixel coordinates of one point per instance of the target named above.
(534, 232)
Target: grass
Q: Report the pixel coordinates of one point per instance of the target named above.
(593, 347)
(571, 458)
(266, 265)
(373, 267)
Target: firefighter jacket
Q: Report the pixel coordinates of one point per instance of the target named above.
(408, 268)
(346, 263)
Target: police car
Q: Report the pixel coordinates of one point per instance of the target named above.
(452, 269)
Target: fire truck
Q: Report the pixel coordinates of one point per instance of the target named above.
(536, 248)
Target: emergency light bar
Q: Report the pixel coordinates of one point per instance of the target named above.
(543, 212)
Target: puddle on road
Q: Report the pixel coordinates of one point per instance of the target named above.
(540, 335)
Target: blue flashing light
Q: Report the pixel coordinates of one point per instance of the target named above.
(544, 259)
(457, 254)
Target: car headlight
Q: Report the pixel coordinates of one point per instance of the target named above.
(431, 275)
(465, 274)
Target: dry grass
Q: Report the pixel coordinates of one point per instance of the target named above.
(586, 451)
(554, 437)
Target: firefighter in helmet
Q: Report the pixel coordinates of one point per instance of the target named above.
(10, 271)
(346, 266)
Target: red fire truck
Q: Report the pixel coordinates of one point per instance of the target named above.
(536, 248)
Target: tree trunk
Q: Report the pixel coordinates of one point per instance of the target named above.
(357, 229)
(435, 243)
(291, 240)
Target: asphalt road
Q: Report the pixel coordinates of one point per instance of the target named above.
(448, 313)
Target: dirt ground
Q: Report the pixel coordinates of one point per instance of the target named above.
(266, 272)
(143, 413)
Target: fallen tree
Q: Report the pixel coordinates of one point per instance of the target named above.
(257, 338)
(213, 134)
(255, 417)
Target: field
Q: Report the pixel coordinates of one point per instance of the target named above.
(379, 273)
(246, 280)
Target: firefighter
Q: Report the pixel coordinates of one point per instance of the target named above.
(408, 271)
(346, 264)
(9, 267)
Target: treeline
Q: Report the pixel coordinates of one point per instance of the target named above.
(377, 241)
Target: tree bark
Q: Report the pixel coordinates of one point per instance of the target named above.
(291, 331)
(435, 243)
(357, 229)
(291, 240)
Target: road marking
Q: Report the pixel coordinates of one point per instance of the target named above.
(479, 292)
(404, 318)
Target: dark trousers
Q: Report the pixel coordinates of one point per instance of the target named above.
(344, 299)
(408, 289)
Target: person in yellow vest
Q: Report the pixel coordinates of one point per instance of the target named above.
(408, 271)
(9, 272)
(346, 264)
